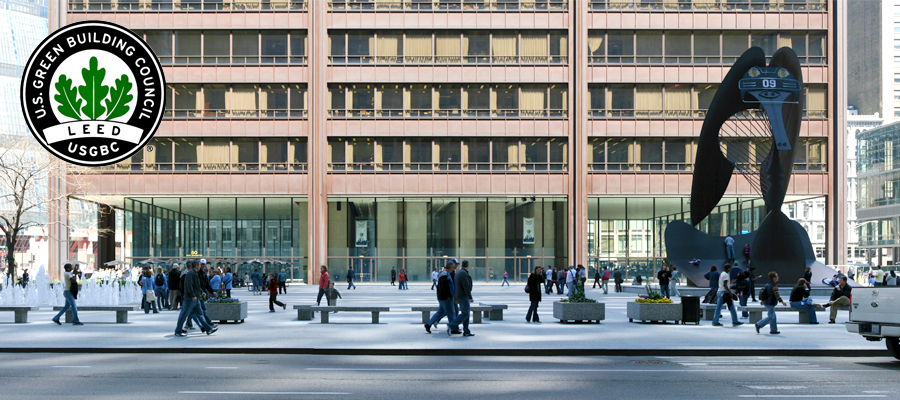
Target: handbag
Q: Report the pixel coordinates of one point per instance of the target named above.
(527, 289)
(151, 296)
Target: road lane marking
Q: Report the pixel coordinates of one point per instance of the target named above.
(71, 366)
(776, 387)
(810, 396)
(282, 393)
(221, 367)
(455, 370)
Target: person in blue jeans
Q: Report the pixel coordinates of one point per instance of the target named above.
(190, 308)
(161, 288)
(800, 300)
(505, 279)
(70, 298)
(772, 298)
(445, 291)
(463, 299)
(721, 299)
(729, 249)
(350, 277)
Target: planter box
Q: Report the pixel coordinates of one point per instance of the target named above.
(223, 312)
(579, 311)
(654, 312)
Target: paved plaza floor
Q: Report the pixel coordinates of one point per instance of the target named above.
(401, 328)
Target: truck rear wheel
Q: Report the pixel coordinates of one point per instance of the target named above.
(893, 346)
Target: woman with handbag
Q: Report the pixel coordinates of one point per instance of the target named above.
(148, 289)
(801, 301)
(533, 288)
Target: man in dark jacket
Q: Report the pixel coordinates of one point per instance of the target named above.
(192, 294)
(445, 291)
(840, 297)
(617, 276)
(350, 277)
(463, 295)
(174, 287)
(393, 276)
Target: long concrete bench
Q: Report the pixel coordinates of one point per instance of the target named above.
(756, 312)
(496, 312)
(709, 308)
(304, 311)
(121, 312)
(21, 312)
(325, 310)
(476, 312)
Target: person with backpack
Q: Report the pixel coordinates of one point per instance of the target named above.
(162, 297)
(533, 288)
(618, 279)
(769, 298)
(70, 290)
(724, 295)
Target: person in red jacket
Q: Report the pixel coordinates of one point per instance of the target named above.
(323, 283)
(273, 292)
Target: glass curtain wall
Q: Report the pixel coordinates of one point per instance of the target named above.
(375, 235)
(227, 231)
(629, 233)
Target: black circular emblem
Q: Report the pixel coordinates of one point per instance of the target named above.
(93, 93)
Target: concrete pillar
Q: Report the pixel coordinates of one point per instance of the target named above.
(318, 140)
(58, 223)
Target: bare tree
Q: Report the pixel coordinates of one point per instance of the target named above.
(26, 194)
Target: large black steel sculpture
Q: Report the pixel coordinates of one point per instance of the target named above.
(759, 104)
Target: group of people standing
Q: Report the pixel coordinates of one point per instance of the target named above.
(564, 279)
(263, 280)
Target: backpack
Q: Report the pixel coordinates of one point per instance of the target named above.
(764, 294)
(160, 280)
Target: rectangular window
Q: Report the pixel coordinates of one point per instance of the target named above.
(187, 101)
(449, 155)
(621, 100)
(597, 96)
(558, 154)
(447, 48)
(216, 155)
(390, 48)
(391, 153)
(477, 100)
(534, 47)
(244, 101)
(297, 154)
(598, 154)
(337, 154)
(678, 153)
(298, 47)
(338, 44)
(505, 154)
(274, 101)
(678, 47)
(448, 100)
(161, 43)
(362, 100)
(338, 100)
(650, 155)
(706, 47)
(649, 47)
(246, 154)
(418, 47)
(619, 154)
(214, 100)
(187, 47)
(505, 47)
(420, 101)
(476, 47)
(596, 46)
(733, 45)
(559, 101)
(298, 100)
(535, 154)
(274, 47)
(389, 100)
(360, 47)
(274, 155)
(620, 47)
(478, 151)
(506, 100)
(362, 152)
(419, 154)
(559, 47)
(768, 41)
(246, 47)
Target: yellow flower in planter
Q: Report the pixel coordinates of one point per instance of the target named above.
(656, 301)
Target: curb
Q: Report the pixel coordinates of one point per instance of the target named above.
(469, 352)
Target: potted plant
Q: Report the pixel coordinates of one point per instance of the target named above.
(579, 308)
(653, 307)
(223, 308)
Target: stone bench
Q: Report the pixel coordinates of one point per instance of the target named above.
(304, 311)
(325, 310)
(121, 312)
(496, 313)
(476, 312)
(20, 311)
(756, 312)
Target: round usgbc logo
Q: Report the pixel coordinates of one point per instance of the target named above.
(93, 93)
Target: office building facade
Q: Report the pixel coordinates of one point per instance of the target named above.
(399, 133)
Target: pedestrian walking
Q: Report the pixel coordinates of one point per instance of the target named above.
(580, 278)
(323, 283)
(175, 297)
(162, 295)
(747, 253)
(393, 276)
(148, 292)
(273, 294)
(570, 281)
(256, 278)
(662, 277)
(282, 282)
(463, 295)
(597, 280)
(713, 277)
(402, 278)
(674, 276)
(725, 295)
(560, 280)
(551, 277)
(729, 249)
(604, 280)
(228, 281)
(618, 279)
(533, 288)
(332, 294)
(840, 297)
(444, 293)
(350, 277)
(190, 307)
(769, 298)
(752, 277)
(70, 291)
(548, 276)
(247, 282)
(434, 277)
(800, 300)
(742, 288)
(505, 277)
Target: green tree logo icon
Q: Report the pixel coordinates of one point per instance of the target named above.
(93, 94)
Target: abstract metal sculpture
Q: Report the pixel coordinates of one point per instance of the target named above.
(759, 104)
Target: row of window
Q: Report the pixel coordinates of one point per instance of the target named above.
(641, 154)
(194, 47)
(364, 100)
(446, 5)
(678, 100)
(448, 47)
(699, 47)
(447, 154)
(218, 154)
(269, 100)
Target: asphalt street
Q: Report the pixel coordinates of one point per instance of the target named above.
(248, 376)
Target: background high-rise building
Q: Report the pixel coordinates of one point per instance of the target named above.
(399, 133)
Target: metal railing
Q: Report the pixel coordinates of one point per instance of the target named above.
(203, 167)
(447, 60)
(197, 60)
(235, 114)
(687, 59)
(447, 113)
(675, 114)
(440, 167)
(186, 5)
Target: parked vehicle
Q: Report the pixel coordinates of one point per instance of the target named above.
(875, 314)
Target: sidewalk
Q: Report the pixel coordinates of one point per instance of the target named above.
(402, 330)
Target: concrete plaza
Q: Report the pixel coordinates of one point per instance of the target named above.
(401, 329)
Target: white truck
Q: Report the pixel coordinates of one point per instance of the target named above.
(875, 314)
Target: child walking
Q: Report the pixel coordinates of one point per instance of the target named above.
(273, 293)
(332, 295)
